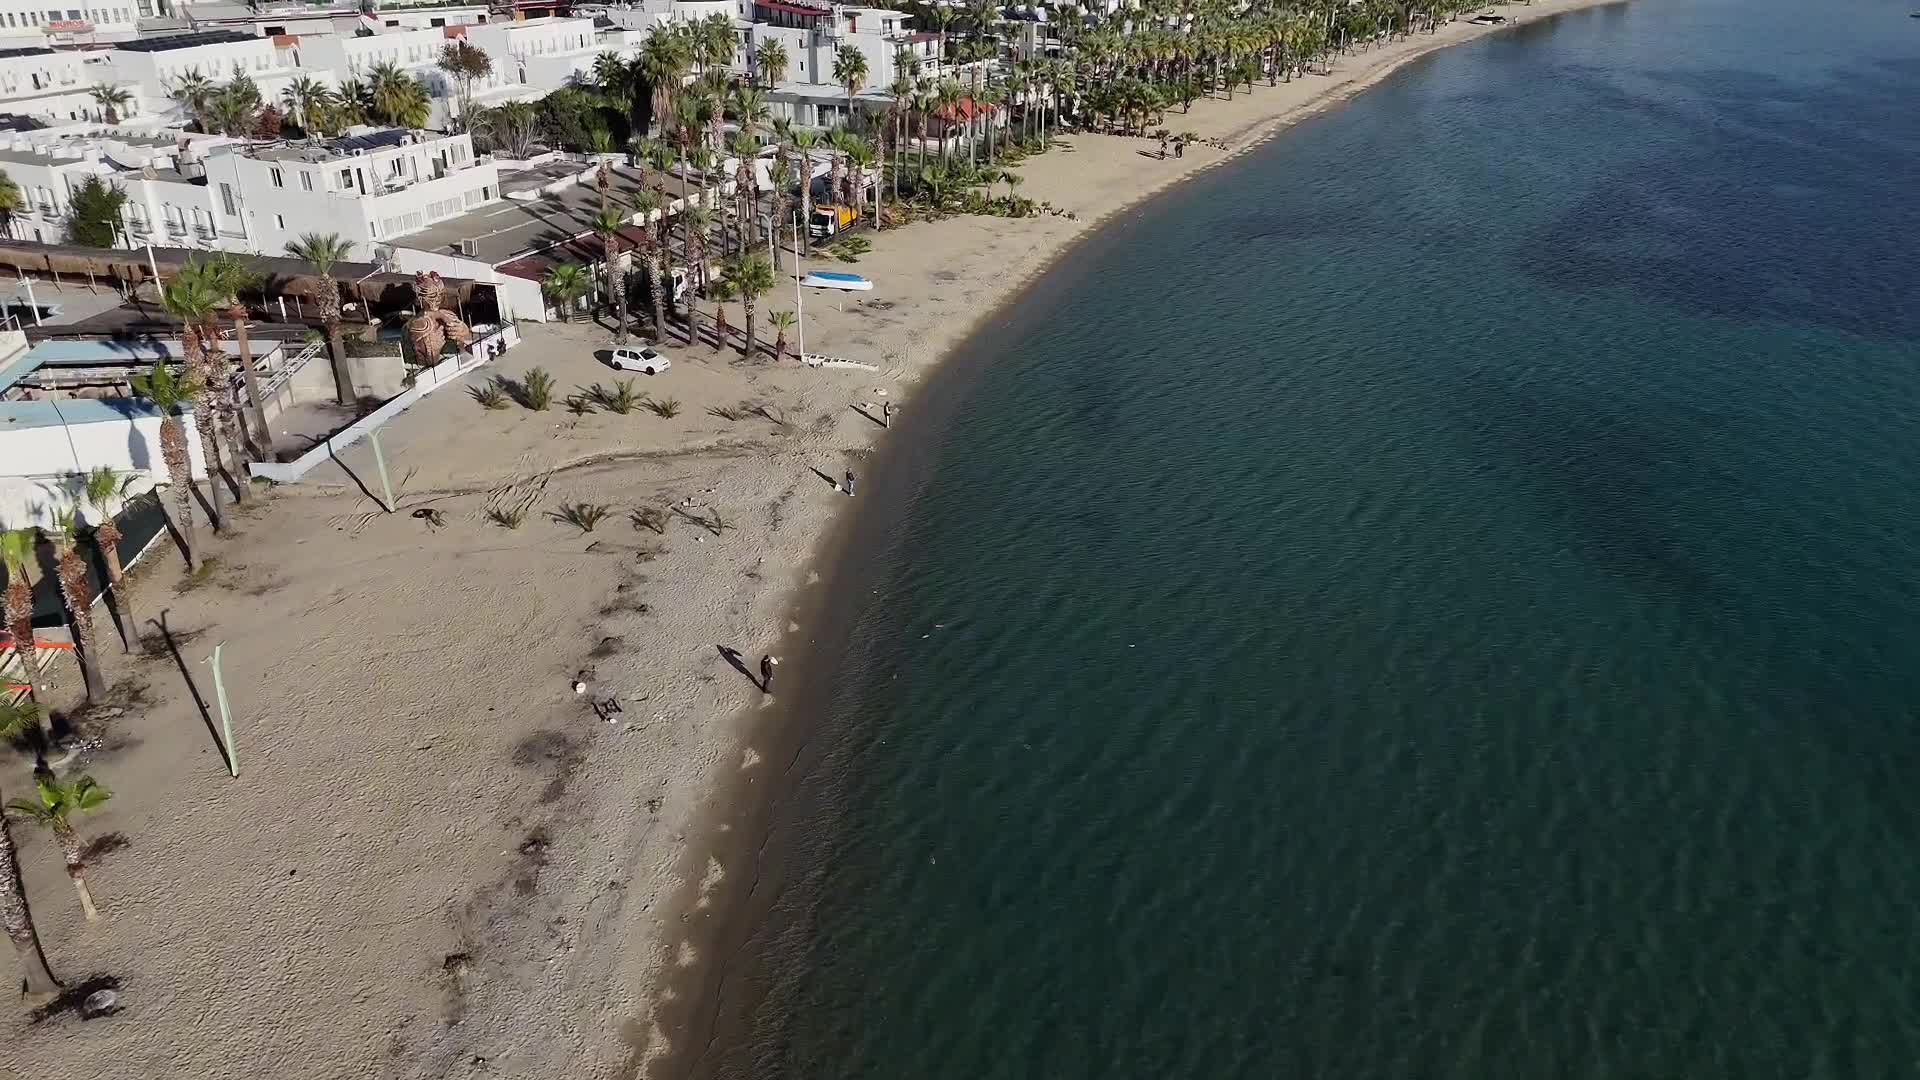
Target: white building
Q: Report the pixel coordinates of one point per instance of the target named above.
(369, 189)
(26, 23)
(151, 66)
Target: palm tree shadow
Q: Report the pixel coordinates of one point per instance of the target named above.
(206, 715)
(355, 477)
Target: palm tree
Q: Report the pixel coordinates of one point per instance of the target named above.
(107, 493)
(71, 569)
(323, 251)
(746, 192)
(850, 71)
(782, 322)
(15, 720)
(55, 808)
(228, 276)
(566, 283)
(749, 278)
(168, 392)
(354, 103)
(770, 60)
(189, 297)
(11, 203)
(645, 205)
(194, 92)
(607, 225)
(111, 100)
(304, 98)
(398, 97)
(860, 159)
(19, 548)
(695, 223)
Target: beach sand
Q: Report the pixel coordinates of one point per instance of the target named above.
(437, 859)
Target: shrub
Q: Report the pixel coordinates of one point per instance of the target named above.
(507, 517)
(666, 408)
(582, 516)
(536, 389)
(621, 399)
(650, 518)
(579, 404)
(490, 396)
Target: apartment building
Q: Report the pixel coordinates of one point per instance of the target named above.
(368, 188)
(67, 22)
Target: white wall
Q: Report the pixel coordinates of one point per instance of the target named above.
(26, 23)
(36, 463)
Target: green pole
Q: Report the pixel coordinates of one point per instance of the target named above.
(380, 463)
(226, 716)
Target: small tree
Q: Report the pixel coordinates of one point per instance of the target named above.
(15, 720)
(749, 278)
(782, 322)
(168, 392)
(106, 492)
(11, 203)
(72, 572)
(465, 62)
(566, 283)
(111, 100)
(55, 808)
(322, 251)
(94, 217)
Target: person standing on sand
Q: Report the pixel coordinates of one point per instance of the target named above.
(886, 415)
(849, 483)
(767, 660)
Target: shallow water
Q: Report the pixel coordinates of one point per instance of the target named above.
(1437, 598)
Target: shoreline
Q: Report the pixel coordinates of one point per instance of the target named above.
(690, 1011)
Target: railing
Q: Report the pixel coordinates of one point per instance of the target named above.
(292, 367)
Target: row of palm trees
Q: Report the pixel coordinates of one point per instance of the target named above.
(387, 95)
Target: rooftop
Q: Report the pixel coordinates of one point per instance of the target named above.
(507, 230)
(171, 42)
(50, 412)
(344, 146)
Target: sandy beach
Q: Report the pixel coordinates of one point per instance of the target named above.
(439, 859)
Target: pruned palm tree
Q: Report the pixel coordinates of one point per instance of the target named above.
(607, 225)
(770, 60)
(566, 283)
(697, 222)
(71, 569)
(195, 92)
(56, 805)
(645, 205)
(850, 71)
(228, 277)
(168, 392)
(19, 548)
(749, 278)
(323, 251)
(746, 193)
(189, 297)
(111, 100)
(107, 493)
(782, 322)
(17, 719)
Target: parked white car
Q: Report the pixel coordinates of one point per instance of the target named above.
(640, 358)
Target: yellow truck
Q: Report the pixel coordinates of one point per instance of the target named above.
(831, 218)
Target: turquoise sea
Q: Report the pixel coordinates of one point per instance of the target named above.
(1437, 598)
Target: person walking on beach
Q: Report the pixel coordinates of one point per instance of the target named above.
(886, 415)
(767, 660)
(849, 483)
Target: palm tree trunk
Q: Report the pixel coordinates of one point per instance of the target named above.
(206, 425)
(173, 450)
(73, 589)
(263, 439)
(656, 287)
(19, 613)
(106, 537)
(342, 372)
(747, 349)
(18, 920)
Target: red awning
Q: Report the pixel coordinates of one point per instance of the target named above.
(794, 9)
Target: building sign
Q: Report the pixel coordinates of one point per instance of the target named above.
(69, 26)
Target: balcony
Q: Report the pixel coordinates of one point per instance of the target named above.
(176, 228)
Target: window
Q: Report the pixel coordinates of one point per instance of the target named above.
(227, 199)
(346, 178)
(279, 221)
(306, 180)
(76, 16)
(279, 180)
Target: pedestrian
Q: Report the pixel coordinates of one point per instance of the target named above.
(849, 483)
(766, 672)
(886, 414)
(1180, 149)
